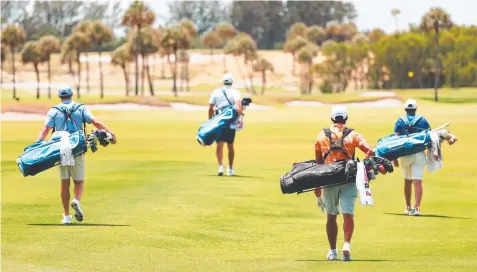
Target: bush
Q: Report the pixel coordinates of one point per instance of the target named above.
(326, 87)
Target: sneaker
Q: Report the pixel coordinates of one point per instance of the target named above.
(332, 255)
(346, 252)
(75, 204)
(415, 212)
(221, 171)
(230, 172)
(407, 210)
(66, 220)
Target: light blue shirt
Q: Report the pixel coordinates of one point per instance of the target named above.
(56, 118)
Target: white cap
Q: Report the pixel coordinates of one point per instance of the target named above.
(339, 111)
(410, 104)
(228, 78)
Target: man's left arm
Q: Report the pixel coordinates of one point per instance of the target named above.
(319, 160)
(363, 145)
(49, 124)
(89, 118)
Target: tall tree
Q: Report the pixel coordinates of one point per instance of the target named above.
(77, 42)
(262, 66)
(68, 56)
(316, 34)
(225, 31)
(292, 46)
(189, 33)
(138, 15)
(174, 38)
(49, 45)
(121, 57)
(13, 36)
(297, 30)
(84, 27)
(31, 53)
(205, 14)
(3, 58)
(212, 40)
(320, 12)
(100, 34)
(395, 13)
(435, 20)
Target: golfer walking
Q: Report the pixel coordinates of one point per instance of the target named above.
(412, 165)
(220, 99)
(57, 119)
(339, 143)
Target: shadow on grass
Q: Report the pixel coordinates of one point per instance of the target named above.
(429, 215)
(235, 176)
(79, 225)
(340, 261)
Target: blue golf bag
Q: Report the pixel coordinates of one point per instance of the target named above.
(42, 155)
(212, 129)
(392, 146)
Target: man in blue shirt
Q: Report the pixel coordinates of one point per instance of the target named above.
(57, 120)
(412, 165)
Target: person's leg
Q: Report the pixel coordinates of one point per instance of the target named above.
(230, 147)
(65, 195)
(417, 176)
(79, 188)
(331, 202)
(332, 230)
(219, 152)
(77, 173)
(408, 191)
(347, 196)
(407, 174)
(418, 192)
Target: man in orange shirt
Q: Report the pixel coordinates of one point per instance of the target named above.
(339, 143)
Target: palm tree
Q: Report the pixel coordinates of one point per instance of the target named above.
(3, 58)
(376, 34)
(172, 40)
(138, 15)
(293, 46)
(31, 53)
(316, 34)
(212, 40)
(77, 42)
(149, 47)
(297, 30)
(262, 66)
(333, 30)
(13, 36)
(121, 57)
(305, 58)
(225, 31)
(49, 45)
(435, 20)
(347, 30)
(84, 27)
(189, 33)
(67, 57)
(233, 48)
(395, 13)
(184, 59)
(100, 34)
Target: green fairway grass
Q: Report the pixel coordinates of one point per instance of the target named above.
(153, 203)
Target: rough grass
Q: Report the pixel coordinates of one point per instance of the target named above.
(153, 202)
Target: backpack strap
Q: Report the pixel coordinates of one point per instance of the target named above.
(225, 94)
(337, 144)
(412, 123)
(68, 112)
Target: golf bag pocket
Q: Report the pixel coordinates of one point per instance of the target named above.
(212, 129)
(393, 147)
(43, 155)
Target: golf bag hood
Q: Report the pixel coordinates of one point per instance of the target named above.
(393, 146)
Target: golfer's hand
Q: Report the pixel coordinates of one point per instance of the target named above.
(436, 157)
(318, 192)
(396, 163)
(114, 140)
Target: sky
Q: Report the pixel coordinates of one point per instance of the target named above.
(377, 13)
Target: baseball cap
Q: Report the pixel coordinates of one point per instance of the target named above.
(410, 104)
(228, 78)
(65, 91)
(339, 111)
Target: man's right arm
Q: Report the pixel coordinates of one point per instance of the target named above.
(363, 145)
(211, 110)
(212, 103)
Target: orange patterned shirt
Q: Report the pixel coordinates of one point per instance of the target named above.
(350, 143)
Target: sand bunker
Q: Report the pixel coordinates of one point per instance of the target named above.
(382, 103)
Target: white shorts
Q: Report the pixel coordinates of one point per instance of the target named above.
(413, 166)
(76, 172)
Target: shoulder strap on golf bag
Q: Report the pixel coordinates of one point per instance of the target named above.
(337, 144)
(68, 112)
(410, 125)
(226, 97)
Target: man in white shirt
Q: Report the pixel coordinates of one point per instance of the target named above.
(220, 99)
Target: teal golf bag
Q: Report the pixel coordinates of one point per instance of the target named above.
(393, 147)
(212, 129)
